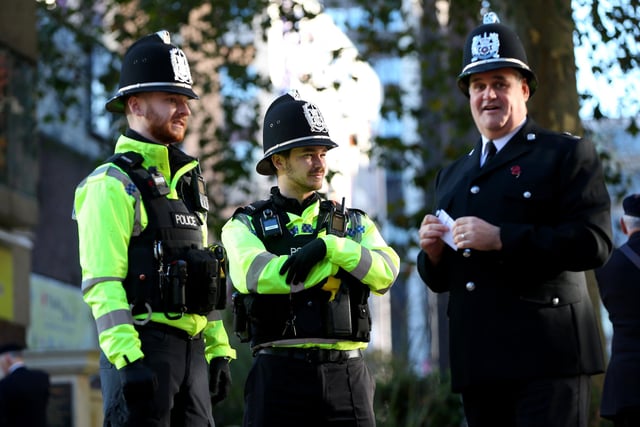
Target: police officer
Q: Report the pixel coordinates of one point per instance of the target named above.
(618, 285)
(152, 283)
(528, 217)
(303, 269)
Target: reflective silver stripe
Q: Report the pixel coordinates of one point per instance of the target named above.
(114, 318)
(279, 147)
(97, 171)
(246, 221)
(82, 183)
(393, 268)
(364, 265)
(90, 283)
(126, 182)
(255, 269)
(123, 90)
(491, 60)
(390, 263)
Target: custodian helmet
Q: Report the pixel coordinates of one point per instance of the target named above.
(491, 46)
(152, 64)
(288, 123)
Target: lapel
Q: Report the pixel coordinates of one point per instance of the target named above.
(520, 144)
(469, 169)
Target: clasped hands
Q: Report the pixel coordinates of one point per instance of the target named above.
(469, 232)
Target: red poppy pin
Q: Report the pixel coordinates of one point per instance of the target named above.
(515, 171)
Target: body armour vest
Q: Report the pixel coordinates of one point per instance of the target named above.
(169, 270)
(311, 313)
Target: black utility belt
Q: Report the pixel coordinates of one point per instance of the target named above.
(169, 311)
(169, 330)
(311, 355)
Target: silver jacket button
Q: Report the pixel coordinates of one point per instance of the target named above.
(470, 286)
(555, 301)
(526, 195)
(475, 189)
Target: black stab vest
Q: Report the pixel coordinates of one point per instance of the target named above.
(169, 222)
(301, 314)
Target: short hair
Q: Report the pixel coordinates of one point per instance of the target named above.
(284, 153)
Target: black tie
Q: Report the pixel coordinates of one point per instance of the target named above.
(491, 151)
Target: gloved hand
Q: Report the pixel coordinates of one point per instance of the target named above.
(300, 264)
(139, 383)
(219, 379)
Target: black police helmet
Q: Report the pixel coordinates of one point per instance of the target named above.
(152, 64)
(492, 46)
(11, 347)
(288, 123)
(631, 205)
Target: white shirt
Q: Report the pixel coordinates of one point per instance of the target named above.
(499, 143)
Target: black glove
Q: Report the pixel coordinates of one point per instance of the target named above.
(219, 379)
(139, 384)
(299, 264)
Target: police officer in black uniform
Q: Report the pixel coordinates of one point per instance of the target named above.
(619, 285)
(530, 212)
(303, 268)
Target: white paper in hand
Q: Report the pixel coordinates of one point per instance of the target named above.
(444, 217)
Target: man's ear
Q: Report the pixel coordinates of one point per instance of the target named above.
(277, 161)
(526, 90)
(623, 226)
(134, 105)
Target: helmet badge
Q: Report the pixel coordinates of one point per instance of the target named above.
(180, 66)
(485, 46)
(314, 118)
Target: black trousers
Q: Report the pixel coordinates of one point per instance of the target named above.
(547, 402)
(627, 417)
(290, 391)
(182, 398)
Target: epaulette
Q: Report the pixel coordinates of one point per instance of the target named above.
(151, 184)
(126, 161)
(252, 209)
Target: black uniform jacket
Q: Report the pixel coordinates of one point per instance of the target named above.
(524, 312)
(619, 284)
(24, 395)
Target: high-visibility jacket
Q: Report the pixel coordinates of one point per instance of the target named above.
(253, 269)
(109, 211)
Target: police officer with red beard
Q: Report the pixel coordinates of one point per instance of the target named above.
(152, 281)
